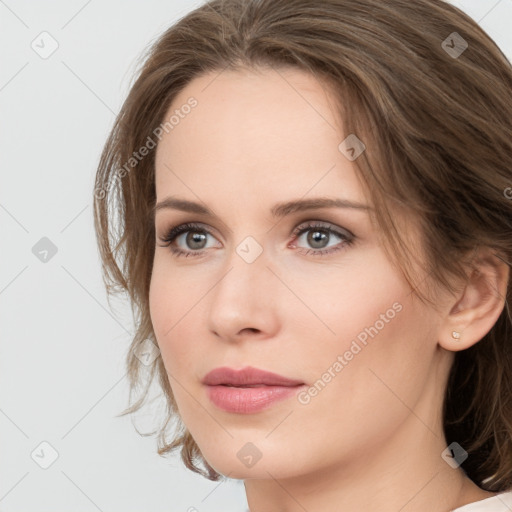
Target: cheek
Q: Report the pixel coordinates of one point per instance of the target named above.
(366, 395)
(167, 304)
(382, 338)
(175, 307)
(159, 301)
(382, 357)
(357, 299)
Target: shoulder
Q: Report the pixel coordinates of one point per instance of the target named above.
(500, 503)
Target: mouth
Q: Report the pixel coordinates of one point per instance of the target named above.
(248, 390)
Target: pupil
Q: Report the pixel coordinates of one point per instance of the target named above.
(194, 238)
(317, 237)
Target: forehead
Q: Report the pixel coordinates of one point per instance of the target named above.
(259, 130)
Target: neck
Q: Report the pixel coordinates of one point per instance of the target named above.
(405, 473)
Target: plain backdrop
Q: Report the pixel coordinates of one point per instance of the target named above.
(62, 349)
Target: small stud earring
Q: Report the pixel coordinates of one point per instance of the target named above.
(456, 335)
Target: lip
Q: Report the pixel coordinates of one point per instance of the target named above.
(248, 390)
(246, 377)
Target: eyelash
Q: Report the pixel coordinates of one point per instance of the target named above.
(173, 233)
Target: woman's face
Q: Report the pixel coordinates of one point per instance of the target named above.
(324, 307)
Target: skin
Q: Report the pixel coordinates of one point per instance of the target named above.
(372, 438)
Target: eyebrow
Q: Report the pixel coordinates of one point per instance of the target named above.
(277, 211)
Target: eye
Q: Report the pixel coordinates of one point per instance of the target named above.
(319, 234)
(194, 236)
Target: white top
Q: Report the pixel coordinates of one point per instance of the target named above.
(499, 503)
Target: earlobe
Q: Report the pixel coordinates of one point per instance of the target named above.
(478, 306)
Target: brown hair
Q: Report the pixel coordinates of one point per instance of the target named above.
(438, 132)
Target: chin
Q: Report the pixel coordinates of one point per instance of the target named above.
(246, 461)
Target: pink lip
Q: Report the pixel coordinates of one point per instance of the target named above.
(228, 389)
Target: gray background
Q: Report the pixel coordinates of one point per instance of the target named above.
(62, 349)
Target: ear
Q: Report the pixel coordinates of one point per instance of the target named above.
(475, 309)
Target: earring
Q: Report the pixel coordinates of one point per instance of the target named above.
(456, 335)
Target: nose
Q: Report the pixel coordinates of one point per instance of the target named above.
(245, 301)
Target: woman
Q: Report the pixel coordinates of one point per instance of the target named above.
(314, 225)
